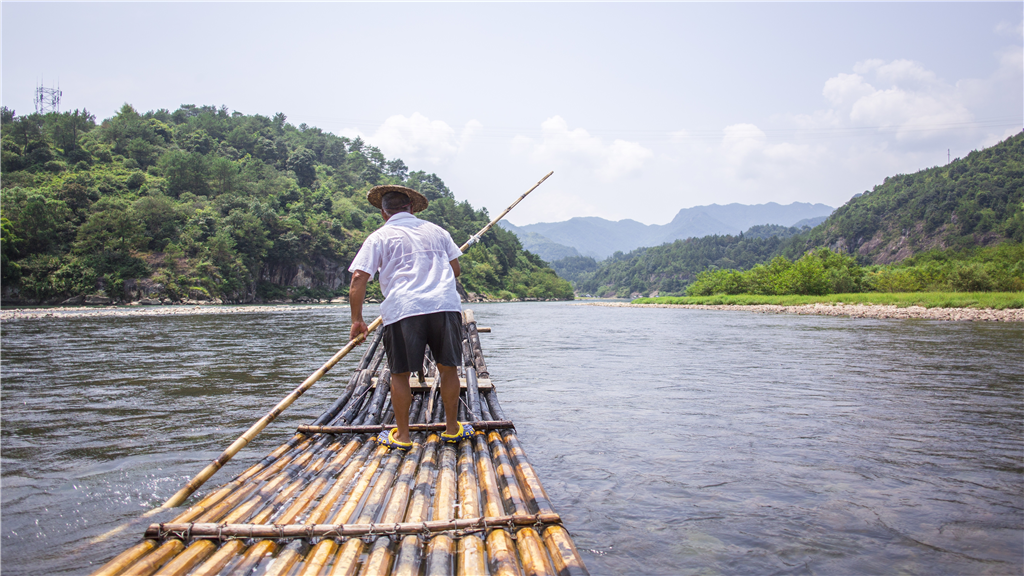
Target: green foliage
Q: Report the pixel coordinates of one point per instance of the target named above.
(212, 204)
(669, 268)
(975, 201)
(818, 272)
(11, 270)
(572, 268)
(997, 268)
(822, 271)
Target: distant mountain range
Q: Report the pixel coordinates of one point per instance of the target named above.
(600, 238)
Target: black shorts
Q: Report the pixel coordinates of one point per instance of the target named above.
(406, 341)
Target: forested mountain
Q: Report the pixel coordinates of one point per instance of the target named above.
(942, 214)
(975, 201)
(669, 268)
(600, 238)
(203, 203)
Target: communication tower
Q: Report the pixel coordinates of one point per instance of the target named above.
(47, 99)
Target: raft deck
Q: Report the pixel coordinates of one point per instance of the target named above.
(332, 501)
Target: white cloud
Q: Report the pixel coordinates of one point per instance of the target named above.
(564, 147)
(748, 154)
(1011, 29)
(471, 129)
(900, 95)
(845, 88)
(418, 139)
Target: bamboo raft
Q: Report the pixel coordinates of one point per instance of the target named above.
(330, 501)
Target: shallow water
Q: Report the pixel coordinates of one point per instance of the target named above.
(671, 441)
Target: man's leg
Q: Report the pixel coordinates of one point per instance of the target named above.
(401, 399)
(449, 397)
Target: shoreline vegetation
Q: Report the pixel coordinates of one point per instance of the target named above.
(950, 306)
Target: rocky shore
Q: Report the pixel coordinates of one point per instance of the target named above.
(9, 314)
(851, 310)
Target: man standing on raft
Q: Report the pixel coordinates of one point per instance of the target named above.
(417, 263)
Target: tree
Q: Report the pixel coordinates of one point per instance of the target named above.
(185, 172)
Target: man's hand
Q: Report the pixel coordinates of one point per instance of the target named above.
(358, 328)
(356, 294)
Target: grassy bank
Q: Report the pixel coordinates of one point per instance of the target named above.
(994, 300)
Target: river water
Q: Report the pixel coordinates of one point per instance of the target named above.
(670, 441)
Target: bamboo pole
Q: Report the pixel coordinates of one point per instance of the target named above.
(262, 423)
(475, 238)
(153, 561)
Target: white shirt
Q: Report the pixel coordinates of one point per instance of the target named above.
(413, 259)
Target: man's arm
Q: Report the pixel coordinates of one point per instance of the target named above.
(455, 267)
(356, 294)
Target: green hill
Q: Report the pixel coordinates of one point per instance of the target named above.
(974, 201)
(202, 203)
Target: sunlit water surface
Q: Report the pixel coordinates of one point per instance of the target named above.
(671, 441)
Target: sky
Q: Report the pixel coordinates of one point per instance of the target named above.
(640, 109)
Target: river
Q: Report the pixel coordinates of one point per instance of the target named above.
(670, 441)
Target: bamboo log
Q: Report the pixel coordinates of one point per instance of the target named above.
(202, 548)
(221, 558)
(152, 562)
(325, 550)
(287, 558)
(531, 549)
(374, 428)
(408, 557)
(471, 558)
(122, 561)
(378, 561)
(473, 335)
(186, 560)
(562, 550)
(501, 551)
(441, 547)
(347, 560)
(262, 423)
(253, 556)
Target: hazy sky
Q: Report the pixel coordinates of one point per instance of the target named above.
(640, 109)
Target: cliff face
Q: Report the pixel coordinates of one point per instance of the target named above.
(323, 273)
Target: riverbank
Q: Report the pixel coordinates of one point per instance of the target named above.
(11, 314)
(979, 300)
(851, 310)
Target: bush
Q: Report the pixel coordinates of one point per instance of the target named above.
(969, 277)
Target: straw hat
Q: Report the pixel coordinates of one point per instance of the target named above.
(419, 201)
